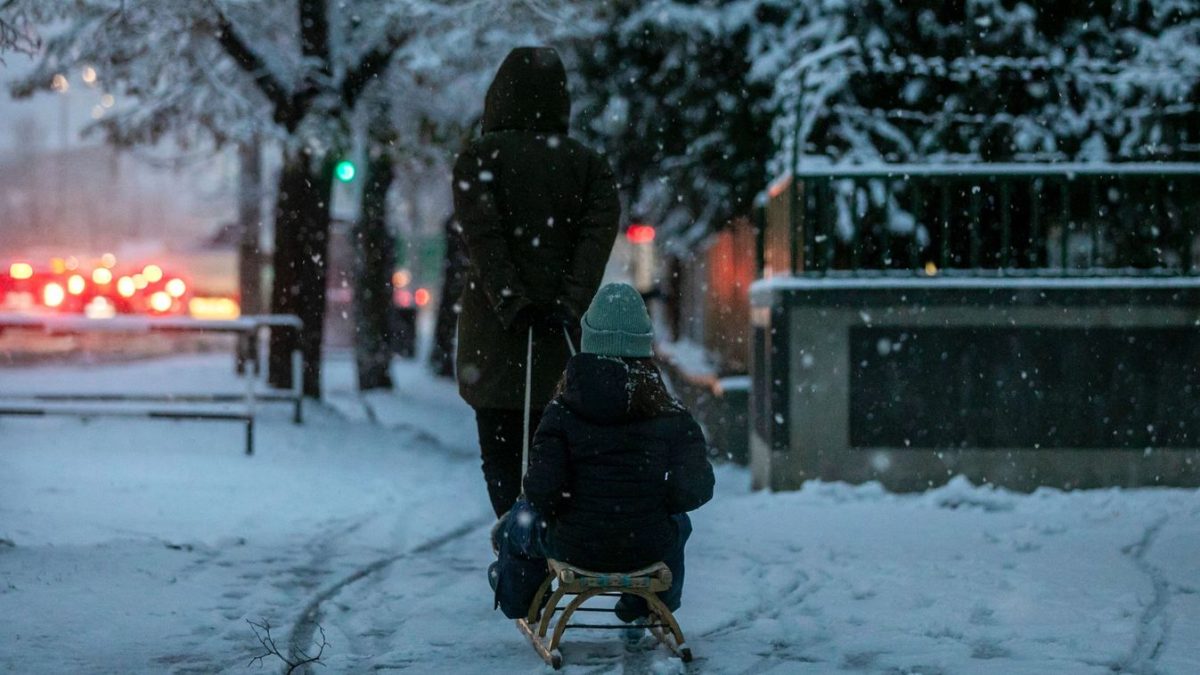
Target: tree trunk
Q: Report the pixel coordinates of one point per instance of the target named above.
(454, 270)
(301, 255)
(249, 258)
(374, 263)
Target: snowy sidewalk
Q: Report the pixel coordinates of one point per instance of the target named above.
(144, 547)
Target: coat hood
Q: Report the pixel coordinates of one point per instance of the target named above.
(529, 93)
(603, 389)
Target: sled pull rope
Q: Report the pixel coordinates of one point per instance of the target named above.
(528, 387)
(570, 345)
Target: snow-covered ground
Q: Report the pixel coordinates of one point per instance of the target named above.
(144, 546)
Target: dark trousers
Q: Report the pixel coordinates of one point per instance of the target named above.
(525, 536)
(500, 449)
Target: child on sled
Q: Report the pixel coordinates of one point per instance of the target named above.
(616, 464)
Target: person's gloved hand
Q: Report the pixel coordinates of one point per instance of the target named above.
(565, 322)
(529, 316)
(559, 315)
(549, 317)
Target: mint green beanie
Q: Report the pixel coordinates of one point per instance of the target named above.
(617, 324)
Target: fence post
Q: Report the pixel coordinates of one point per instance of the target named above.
(944, 258)
(1005, 224)
(1033, 257)
(1094, 203)
(1064, 244)
(914, 246)
(976, 243)
(829, 209)
(297, 385)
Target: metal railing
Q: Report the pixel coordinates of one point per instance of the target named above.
(174, 405)
(1063, 219)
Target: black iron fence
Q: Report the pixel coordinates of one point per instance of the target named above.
(991, 218)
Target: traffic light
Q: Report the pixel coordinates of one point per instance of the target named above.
(345, 171)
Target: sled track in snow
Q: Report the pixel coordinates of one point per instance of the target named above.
(1154, 623)
(301, 636)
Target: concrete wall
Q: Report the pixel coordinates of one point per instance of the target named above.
(817, 411)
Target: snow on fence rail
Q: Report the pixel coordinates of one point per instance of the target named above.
(103, 404)
(1113, 218)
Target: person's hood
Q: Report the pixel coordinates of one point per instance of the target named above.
(529, 93)
(601, 390)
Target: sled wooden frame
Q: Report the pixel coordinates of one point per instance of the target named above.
(585, 585)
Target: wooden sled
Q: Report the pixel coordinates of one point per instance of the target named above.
(584, 585)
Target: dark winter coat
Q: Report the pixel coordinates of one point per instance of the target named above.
(539, 214)
(607, 479)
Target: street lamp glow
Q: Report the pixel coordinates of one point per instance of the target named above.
(153, 273)
(345, 171)
(59, 83)
(76, 284)
(176, 287)
(89, 75)
(101, 275)
(125, 287)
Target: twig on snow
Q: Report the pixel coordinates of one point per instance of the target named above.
(262, 631)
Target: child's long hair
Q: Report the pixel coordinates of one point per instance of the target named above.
(648, 393)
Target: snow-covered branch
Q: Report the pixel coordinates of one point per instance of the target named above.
(249, 61)
(17, 33)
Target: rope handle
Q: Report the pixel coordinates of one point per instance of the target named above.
(528, 389)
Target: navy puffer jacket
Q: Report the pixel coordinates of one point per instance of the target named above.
(607, 475)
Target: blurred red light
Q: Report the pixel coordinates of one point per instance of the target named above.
(53, 295)
(640, 234)
(422, 297)
(404, 298)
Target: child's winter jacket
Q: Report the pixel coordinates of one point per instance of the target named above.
(607, 479)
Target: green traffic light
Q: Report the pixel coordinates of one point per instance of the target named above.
(345, 171)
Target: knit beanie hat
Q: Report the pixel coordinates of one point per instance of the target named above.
(617, 324)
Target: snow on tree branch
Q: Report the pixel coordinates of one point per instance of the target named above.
(17, 33)
(249, 61)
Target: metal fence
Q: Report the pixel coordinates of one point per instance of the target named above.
(1064, 219)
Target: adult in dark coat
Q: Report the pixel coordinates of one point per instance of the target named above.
(539, 213)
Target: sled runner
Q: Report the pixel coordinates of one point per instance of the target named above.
(583, 585)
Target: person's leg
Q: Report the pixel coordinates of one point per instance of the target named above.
(631, 607)
(500, 450)
(673, 596)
